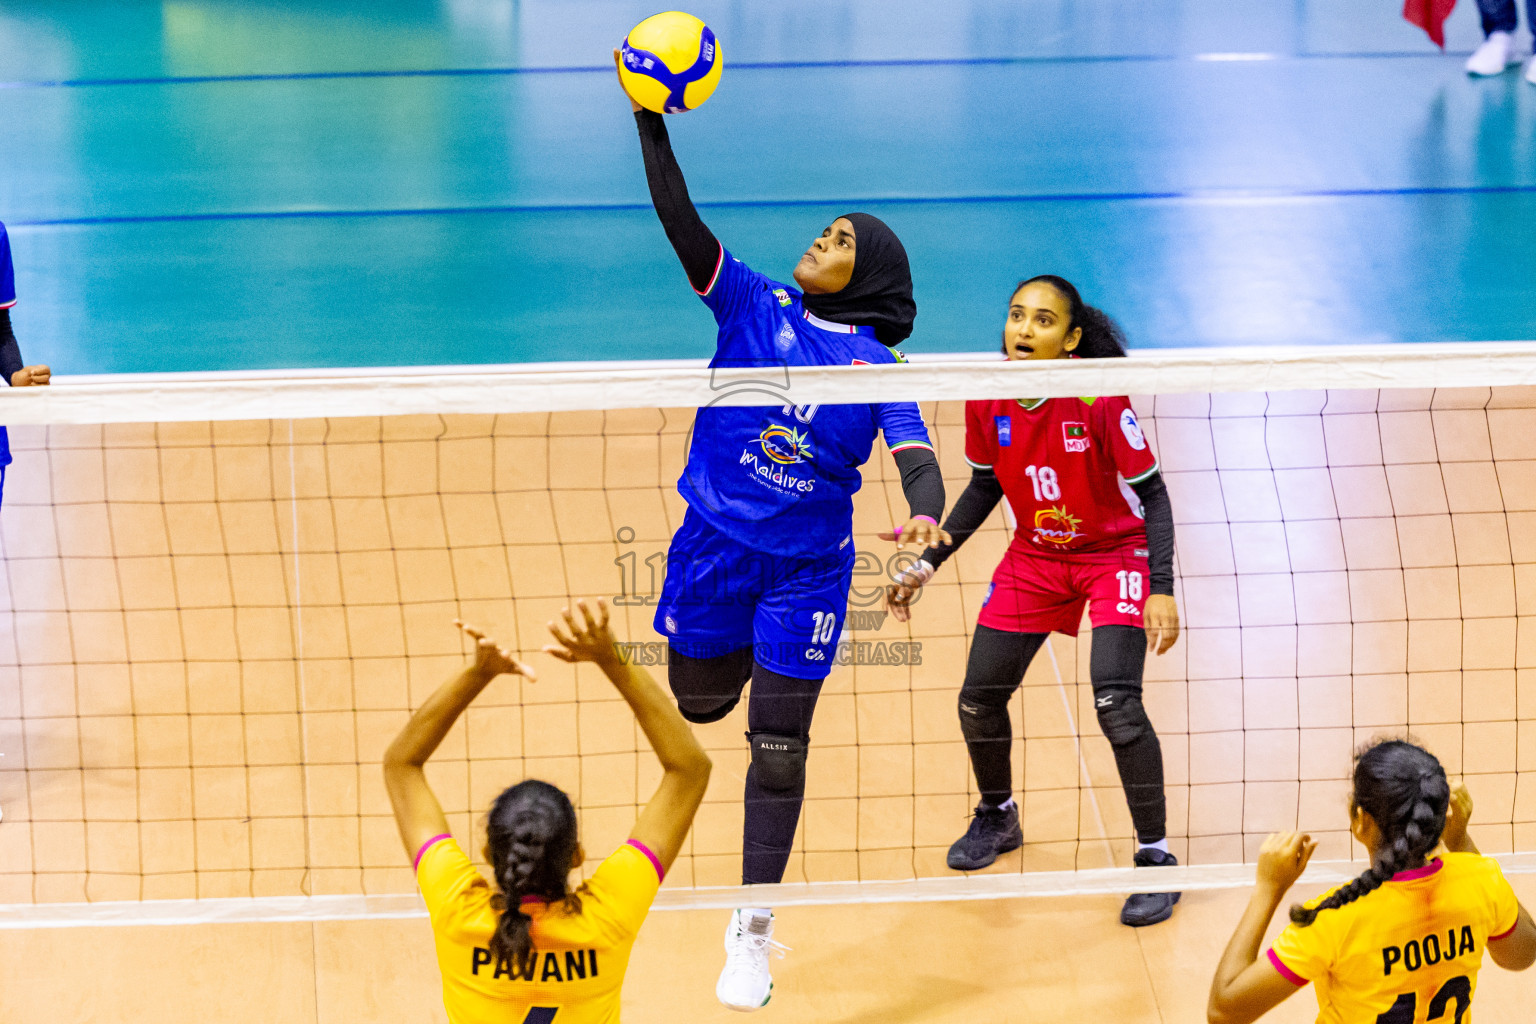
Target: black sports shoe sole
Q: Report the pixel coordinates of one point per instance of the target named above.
(1143, 922)
(1010, 844)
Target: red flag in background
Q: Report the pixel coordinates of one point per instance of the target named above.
(1430, 16)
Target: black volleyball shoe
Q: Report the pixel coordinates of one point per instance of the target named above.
(1144, 908)
(993, 830)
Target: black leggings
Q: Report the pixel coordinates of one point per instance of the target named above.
(706, 690)
(994, 671)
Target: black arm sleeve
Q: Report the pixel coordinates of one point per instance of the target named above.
(695, 244)
(922, 482)
(10, 352)
(1158, 511)
(971, 509)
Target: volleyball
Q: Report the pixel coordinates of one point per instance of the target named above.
(670, 63)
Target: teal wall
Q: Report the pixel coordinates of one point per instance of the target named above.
(207, 185)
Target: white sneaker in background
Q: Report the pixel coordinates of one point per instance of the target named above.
(746, 983)
(1496, 54)
(1530, 71)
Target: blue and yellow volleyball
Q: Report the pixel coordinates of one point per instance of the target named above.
(670, 63)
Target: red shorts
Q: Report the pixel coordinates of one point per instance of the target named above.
(1033, 593)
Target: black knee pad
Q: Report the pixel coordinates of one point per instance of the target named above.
(707, 689)
(702, 711)
(980, 721)
(779, 760)
(1122, 716)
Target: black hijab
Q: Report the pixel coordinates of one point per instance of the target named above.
(879, 294)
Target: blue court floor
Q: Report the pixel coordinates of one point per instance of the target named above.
(212, 185)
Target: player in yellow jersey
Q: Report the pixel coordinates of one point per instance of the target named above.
(530, 949)
(1402, 943)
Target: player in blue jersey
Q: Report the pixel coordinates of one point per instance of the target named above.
(758, 574)
(16, 374)
(11, 367)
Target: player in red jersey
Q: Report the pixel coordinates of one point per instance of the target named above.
(1095, 528)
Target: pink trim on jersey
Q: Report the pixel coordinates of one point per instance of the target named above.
(661, 872)
(1508, 933)
(1285, 972)
(7, 305)
(902, 446)
(427, 846)
(719, 262)
(1423, 872)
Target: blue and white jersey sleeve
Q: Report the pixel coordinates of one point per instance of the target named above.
(7, 272)
(901, 423)
(732, 289)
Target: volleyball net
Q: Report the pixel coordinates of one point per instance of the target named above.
(222, 598)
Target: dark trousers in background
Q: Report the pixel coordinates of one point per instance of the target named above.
(1499, 15)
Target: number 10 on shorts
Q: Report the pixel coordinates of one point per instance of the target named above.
(822, 625)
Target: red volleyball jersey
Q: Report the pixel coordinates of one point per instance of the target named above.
(1065, 465)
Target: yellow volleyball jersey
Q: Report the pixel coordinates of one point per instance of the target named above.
(581, 954)
(1406, 953)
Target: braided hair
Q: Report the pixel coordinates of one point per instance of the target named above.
(1404, 789)
(531, 839)
(1102, 336)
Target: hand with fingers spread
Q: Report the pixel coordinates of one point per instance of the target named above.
(532, 840)
(1161, 616)
(492, 660)
(584, 637)
(417, 810)
(1282, 859)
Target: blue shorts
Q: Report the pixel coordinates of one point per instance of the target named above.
(720, 596)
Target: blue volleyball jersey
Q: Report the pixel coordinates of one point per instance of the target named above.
(7, 300)
(781, 478)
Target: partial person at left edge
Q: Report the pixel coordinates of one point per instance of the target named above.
(16, 373)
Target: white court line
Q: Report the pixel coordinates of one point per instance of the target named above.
(1082, 759)
(1116, 881)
